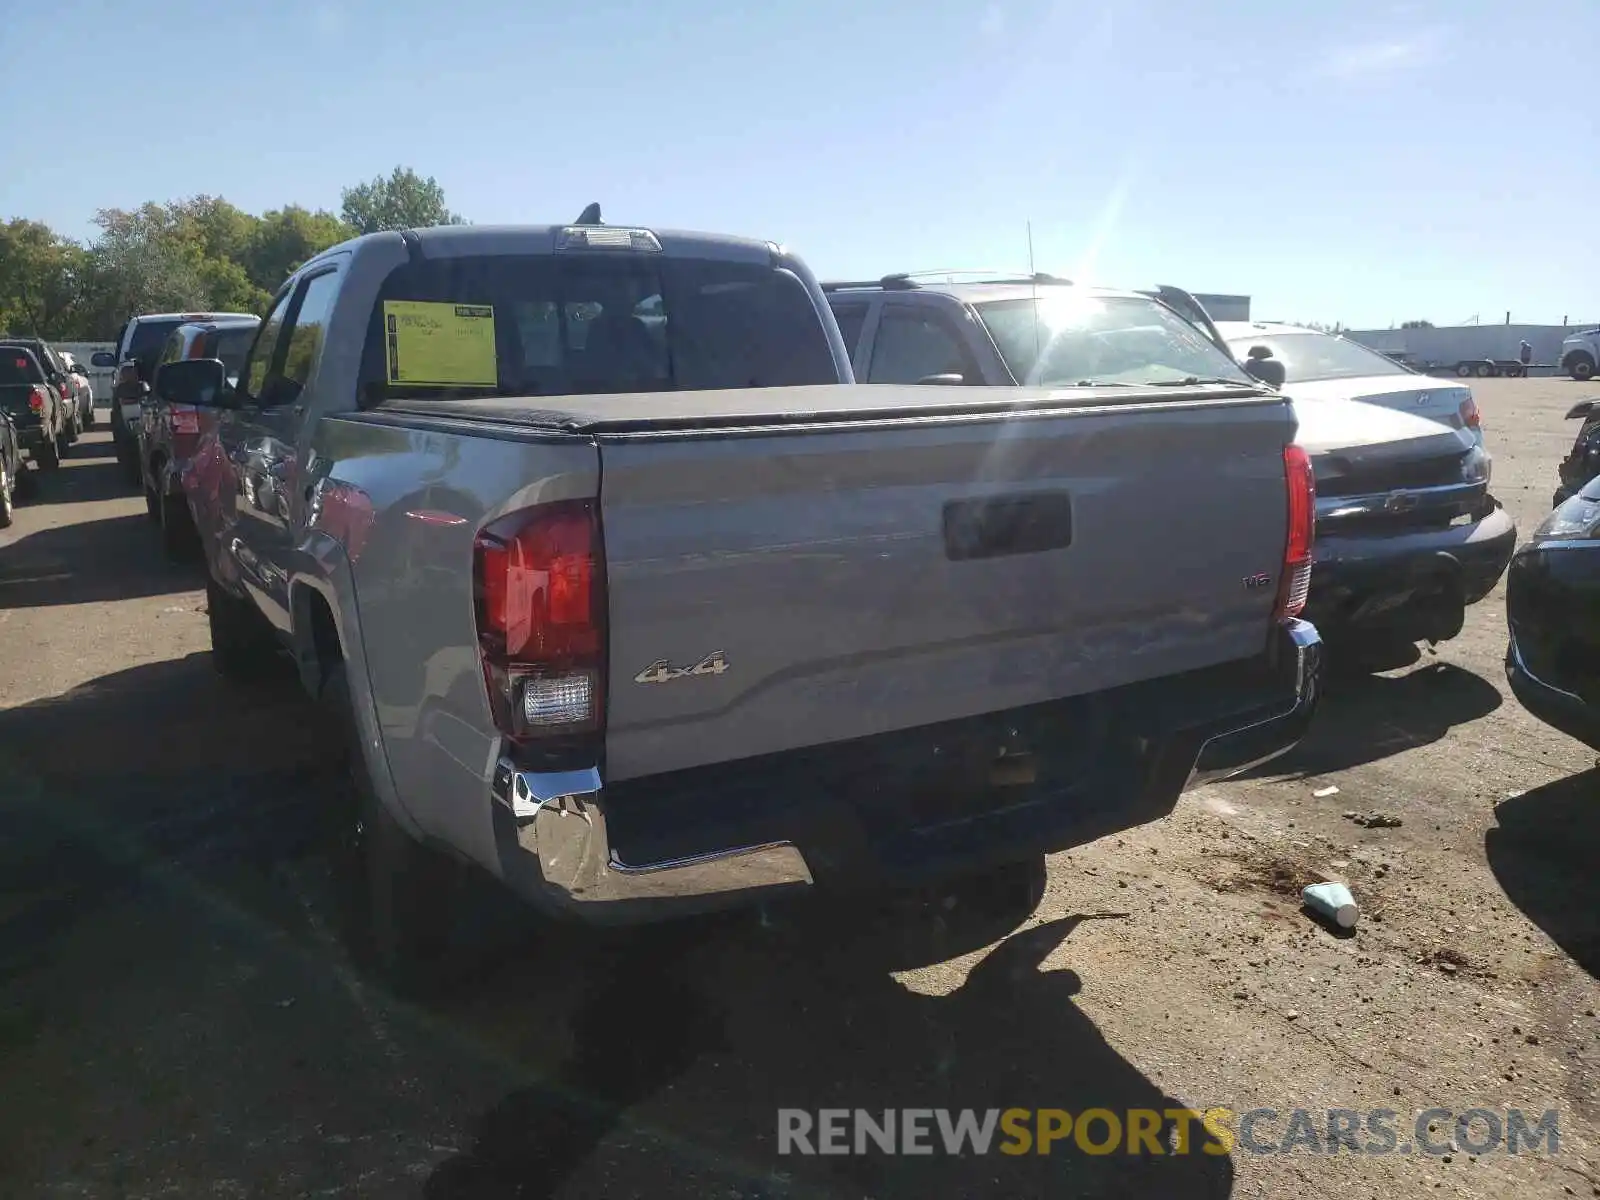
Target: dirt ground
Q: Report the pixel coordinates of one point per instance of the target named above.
(177, 1017)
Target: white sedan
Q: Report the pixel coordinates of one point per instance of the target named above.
(1325, 366)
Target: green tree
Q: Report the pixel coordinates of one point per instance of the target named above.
(1416, 324)
(404, 200)
(41, 276)
(286, 237)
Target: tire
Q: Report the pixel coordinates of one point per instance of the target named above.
(47, 455)
(179, 541)
(128, 460)
(403, 900)
(89, 418)
(1485, 370)
(243, 646)
(1581, 367)
(1464, 369)
(152, 504)
(7, 490)
(74, 428)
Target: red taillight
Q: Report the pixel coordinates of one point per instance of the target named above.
(1295, 580)
(539, 578)
(66, 392)
(1470, 416)
(37, 398)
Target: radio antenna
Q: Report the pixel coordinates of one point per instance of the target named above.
(1033, 279)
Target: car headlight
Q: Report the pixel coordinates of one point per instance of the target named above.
(1578, 517)
(1477, 466)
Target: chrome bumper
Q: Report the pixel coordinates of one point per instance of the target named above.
(1237, 750)
(560, 819)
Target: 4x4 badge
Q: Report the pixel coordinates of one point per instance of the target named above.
(662, 671)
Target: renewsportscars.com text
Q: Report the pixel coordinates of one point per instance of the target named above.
(1215, 1131)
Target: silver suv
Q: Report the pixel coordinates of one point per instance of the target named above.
(1034, 331)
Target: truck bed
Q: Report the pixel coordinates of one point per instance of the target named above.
(721, 411)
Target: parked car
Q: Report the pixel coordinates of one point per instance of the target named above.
(1582, 462)
(169, 433)
(1580, 352)
(35, 408)
(139, 342)
(1321, 365)
(58, 381)
(1407, 533)
(11, 468)
(678, 618)
(82, 389)
(1552, 604)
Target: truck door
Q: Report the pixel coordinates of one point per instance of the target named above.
(260, 437)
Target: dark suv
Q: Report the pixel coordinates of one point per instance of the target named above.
(139, 342)
(35, 408)
(169, 433)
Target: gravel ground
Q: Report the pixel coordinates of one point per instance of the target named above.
(177, 1017)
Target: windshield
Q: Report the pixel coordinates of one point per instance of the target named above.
(574, 326)
(1065, 338)
(1310, 356)
(231, 345)
(145, 346)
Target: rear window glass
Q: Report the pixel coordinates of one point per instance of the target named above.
(145, 347)
(581, 324)
(17, 366)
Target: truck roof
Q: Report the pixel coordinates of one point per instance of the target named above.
(460, 241)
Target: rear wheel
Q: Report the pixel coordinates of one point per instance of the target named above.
(243, 646)
(152, 503)
(403, 899)
(1463, 369)
(8, 486)
(179, 542)
(1485, 370)
(47, 455)
(1581, 367)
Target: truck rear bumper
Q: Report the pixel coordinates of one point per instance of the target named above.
(899, 809)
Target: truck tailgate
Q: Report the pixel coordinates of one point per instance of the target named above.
(777, 587)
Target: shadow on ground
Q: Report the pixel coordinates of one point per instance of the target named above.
(1364, 718)
(116, 558)
(1543, 850)
(177, 1012)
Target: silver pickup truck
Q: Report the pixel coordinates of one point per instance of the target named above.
(631, 598)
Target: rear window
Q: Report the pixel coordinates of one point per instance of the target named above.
(585, 325)
(18, 366)
(145, 346)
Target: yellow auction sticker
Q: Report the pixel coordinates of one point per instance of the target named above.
(428, 343)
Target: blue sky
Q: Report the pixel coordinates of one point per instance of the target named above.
(1359, 162)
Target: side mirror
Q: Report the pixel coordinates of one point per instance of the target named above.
(102, 358)
(951, 378)
(202, 382)
(1265, 368)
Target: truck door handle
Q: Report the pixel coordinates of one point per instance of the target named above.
(992, 526)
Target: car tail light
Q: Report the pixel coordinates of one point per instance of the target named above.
(66, 392)
(185, 419)
(38, 398)
(1295, 580)
(1470, 416)
(539, 590)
